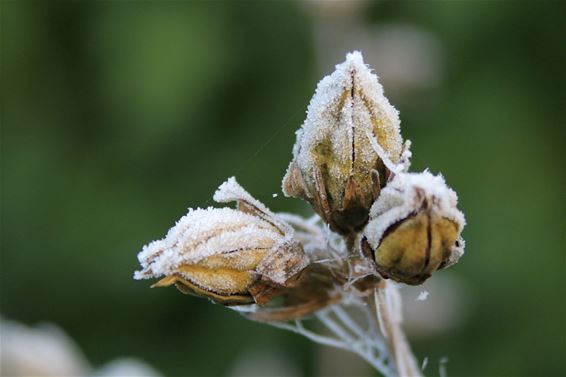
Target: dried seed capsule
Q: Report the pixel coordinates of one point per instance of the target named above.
(346, 148)
(232, 256)
(414, 228)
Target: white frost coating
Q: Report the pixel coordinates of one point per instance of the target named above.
(423, 295)
(203, 233)
(404, 195)
(405, 160)
(231, 191)
(404, 163)
(381, 153)
(337, 120)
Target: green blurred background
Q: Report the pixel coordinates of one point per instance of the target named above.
(117, 116)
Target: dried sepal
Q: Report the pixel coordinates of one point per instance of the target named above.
(319, 285)
(315, 289)
(224, 253)
(414, 228)
(331, 276)
(347, 147)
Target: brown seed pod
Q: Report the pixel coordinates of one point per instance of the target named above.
(414, 228)
(226, 254)
(346, 147)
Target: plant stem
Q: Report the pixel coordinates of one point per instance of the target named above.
(388, 314)
(387, 303)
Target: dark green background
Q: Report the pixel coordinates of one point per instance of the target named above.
(117, 116)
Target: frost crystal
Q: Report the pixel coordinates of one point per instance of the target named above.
(423, 295)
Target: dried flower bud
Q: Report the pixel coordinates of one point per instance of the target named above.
(414, 228)
(228, 255)
(346, 148)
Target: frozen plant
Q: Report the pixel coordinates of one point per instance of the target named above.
(334, 277)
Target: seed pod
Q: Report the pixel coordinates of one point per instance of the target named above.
(346, 148)
(414, 228)
(231, 256)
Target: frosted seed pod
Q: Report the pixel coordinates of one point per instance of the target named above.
(346, 148)
(414, 228)
(231, 256)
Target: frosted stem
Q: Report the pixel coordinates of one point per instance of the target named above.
(362, 346)
(343, 316)
(321, 339)
(401, 353)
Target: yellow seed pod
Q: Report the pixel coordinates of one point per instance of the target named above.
(414, 228)
(346, 148)
(230, 256)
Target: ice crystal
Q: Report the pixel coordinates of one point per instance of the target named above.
(423, 295)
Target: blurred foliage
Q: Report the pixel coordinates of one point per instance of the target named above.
(117, 116)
